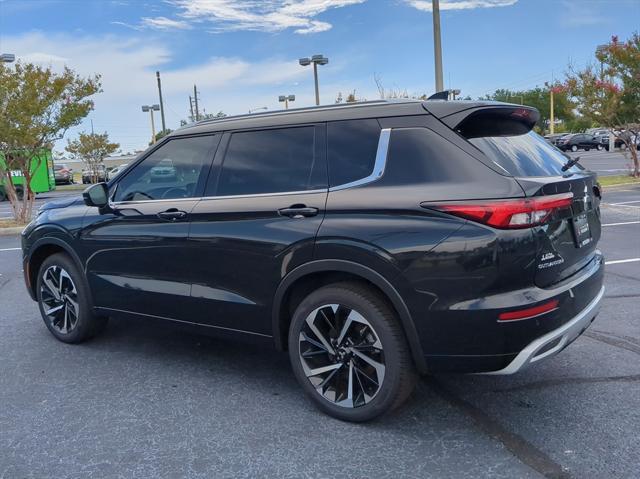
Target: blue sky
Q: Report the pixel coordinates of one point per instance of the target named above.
(243, 54)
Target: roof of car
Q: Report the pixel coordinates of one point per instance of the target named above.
(341, 111)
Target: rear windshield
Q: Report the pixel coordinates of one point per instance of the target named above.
(524, 155)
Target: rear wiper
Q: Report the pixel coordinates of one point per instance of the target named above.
(570, 163)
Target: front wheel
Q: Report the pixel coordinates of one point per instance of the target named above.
(64, 301)
(600, 147)
(349, 353)
(574, 148)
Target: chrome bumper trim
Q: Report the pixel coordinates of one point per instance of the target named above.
(563, 335)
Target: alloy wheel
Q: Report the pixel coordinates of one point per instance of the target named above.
(59, 298)
(341, 355)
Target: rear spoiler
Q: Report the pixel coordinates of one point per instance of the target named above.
(485, 120)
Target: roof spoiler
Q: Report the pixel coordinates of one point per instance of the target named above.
(490, 120)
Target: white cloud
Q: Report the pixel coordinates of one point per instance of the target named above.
(426, 5)
(164, 23)
(128, 67)
(267, 16)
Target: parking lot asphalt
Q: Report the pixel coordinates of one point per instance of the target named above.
(604, 162)
(146, 399)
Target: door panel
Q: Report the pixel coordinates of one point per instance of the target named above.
(136, 250)
(242, 249)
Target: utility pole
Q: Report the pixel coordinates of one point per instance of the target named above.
(195, 98)
(193, 118)
(551, 115)
(164, 126)
(437, 45)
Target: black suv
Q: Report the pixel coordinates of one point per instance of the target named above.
(579, 141)
(374, 242)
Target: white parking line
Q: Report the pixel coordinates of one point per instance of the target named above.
(625, 202)
(10, 249)
(621, 206)
(623, 223)
(618, 261)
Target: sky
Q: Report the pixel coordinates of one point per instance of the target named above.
(243, 54)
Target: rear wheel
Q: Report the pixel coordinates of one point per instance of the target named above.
(64, 302)
(349, 353)
(574, 148)
(600, 147)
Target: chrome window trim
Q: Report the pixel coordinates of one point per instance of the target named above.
(200, 198)
(378, 167)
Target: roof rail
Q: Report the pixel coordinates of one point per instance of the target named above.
(299, 110)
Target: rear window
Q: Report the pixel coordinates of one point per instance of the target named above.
(524, 155)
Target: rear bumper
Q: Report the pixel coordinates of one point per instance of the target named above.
(554, 341)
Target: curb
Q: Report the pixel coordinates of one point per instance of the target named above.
(622, 184)
(13, 230)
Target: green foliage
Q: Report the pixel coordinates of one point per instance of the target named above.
(37, 107)
(91, 148)
(539, 98)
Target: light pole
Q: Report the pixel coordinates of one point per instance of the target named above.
(316, 60)
(7, 58)
(258, 109)
(286, 99)
(437, 45)
(551, 115)
(151, 109)
(164, 126)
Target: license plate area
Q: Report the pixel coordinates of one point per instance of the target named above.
(581, 230)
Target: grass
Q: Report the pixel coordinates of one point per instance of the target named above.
(618, 180)
(9, 223)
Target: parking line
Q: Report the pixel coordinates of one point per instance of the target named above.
(622, 206)
(10, 249)
(623, 223)
(618, 261)
(625, 202)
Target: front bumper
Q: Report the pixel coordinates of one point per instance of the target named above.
(554, 341)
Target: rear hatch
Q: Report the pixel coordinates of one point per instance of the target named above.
(567, 236)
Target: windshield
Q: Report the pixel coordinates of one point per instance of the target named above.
(524, 155)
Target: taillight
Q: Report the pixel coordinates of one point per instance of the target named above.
(529, 313)
(506, 214)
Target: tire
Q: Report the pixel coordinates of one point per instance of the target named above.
(381, 368)
(600, 147)
(574, 148)
(58, 276)
(586, 149)
(19, 192)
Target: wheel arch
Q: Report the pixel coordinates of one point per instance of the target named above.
(320, 272)
(39, 252)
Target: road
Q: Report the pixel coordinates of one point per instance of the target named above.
(148, 400)
(605, 163)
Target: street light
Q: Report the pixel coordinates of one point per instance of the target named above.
(151, 109)
(286, 99)
(437, 44)
(316, 60)
(7, 58)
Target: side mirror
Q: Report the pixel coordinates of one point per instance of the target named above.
(96, 195)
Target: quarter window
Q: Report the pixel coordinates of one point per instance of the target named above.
(271, 161)
(172, 171)
(352, 147)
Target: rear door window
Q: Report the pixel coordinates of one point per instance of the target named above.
(524, 155)
(271, 161)
(352, 147)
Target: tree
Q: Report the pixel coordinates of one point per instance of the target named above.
(609, 96)
(91, 149)
(37, 107)
(539, 98)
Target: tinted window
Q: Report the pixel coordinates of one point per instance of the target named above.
(172, 171)
(271, 161)
(352, 147)
(524, 155)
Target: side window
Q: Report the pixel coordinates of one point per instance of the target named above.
(352, 147)
(172, 171)
(271, 161)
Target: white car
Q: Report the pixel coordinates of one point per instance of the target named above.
(116, 171)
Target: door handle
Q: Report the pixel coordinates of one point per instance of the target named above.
(172, 214)
(298, 211)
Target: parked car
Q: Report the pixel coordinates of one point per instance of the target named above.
(63, 174)
(373, 242)
(164, 171)
(554, 138)
(116, 171)
(91, 175)
(579, 141)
